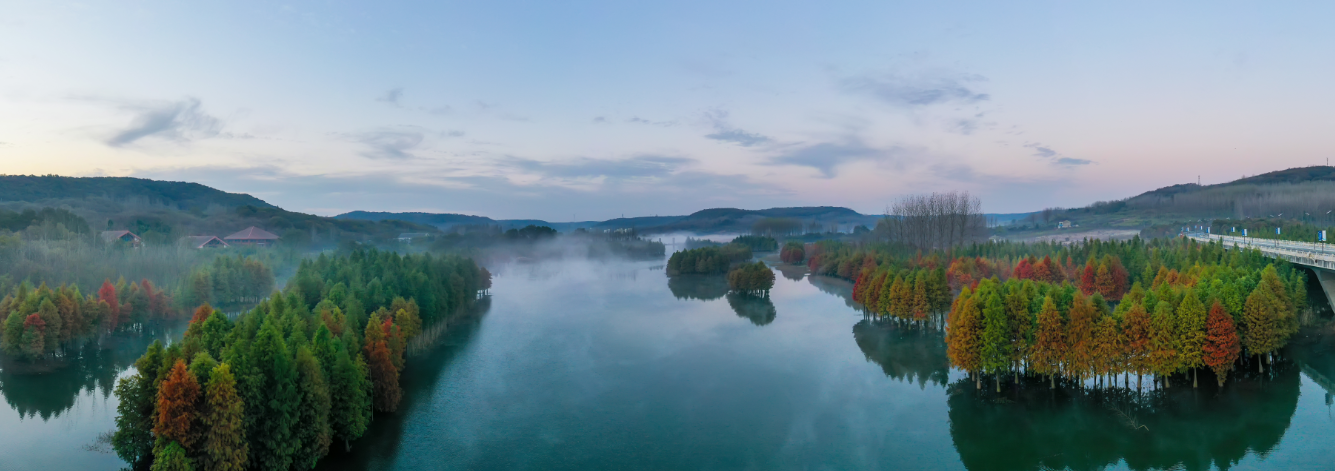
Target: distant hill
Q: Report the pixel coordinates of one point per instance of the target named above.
(163, 212)
(708, 221)
(182, 195)
(1296, 193)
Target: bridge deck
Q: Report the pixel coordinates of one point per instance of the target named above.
(1303, 253)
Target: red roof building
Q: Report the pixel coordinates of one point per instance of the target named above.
(122, 236)
(252, 236)
(204, 242)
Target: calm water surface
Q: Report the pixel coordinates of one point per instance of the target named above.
(587, 365)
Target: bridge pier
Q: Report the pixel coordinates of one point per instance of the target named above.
(1327, 280)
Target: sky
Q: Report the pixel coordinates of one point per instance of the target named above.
(589, 110)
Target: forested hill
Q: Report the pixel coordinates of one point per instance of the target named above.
(182, 195)
(1296, 193)
(163, 212)
(716, 220)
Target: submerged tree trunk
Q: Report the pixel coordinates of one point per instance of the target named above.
(998, 382)
(1052, 381)
(1193, 378)
(1138, 376)
(1260, 367)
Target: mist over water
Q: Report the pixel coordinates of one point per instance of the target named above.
(606, 364)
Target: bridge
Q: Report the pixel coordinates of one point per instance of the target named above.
(1319, 257)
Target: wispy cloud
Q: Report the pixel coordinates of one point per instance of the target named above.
(916, 91)
(639, 120)
(723, 131)
(739, 137)
(635, 167)
(389, 144)
(176, 121)
(826, 156)
(1056, 158)
(391, 96)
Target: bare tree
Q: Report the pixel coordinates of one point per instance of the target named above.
(935, 221)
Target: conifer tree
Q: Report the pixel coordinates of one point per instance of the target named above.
(178, 398)
(1164, 357)
(1049, 349)
(224, 447)
(350, 405)
(1088, 285)
(133, 439)
(921, 305)
(1191, 331)
(1080, 337)
(272, 444)
(1261, 316)
(1222, 346)
(963, 337)
(313, 414)
(1109, 347)
(107, 294)
(1136, 328)
(996, 343)
(171, 457)
(1103, 281)
(384, 375)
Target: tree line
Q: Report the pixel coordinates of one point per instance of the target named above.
(751, 278)
(935, 221)
(228, 281)
(43, 322)
(1178, 326)
(793, 252)
(757, 243)
(275, 387)
(707, 260)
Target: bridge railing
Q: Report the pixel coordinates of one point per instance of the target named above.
(1304, 253)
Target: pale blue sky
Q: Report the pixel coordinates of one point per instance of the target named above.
(589, 110)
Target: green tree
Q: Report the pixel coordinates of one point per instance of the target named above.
(1164, 358)
(272, 445)
(1191, 332)
(172, 458)
(1049, 349)
(224, 447)
(996, 342)
(350, 405)
(313, 414)
(1261, 318)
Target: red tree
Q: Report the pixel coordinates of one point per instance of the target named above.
(1023, 270)
(177, 397)
(108, 293)
(1087, 285)
(1222, 345)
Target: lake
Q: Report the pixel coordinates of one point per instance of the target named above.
(608, 365)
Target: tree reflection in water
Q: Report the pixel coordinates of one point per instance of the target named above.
(759, 309)
(1033, 427)
(905, 352)
(701, 287)
(48, 389)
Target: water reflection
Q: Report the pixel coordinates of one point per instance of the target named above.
(701, 287)
(837, 287)
(1033, 427)
(758, 309)
(48, 389)
(376, 449)
(904, 351)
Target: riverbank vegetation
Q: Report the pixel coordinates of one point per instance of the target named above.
(793, 252)
(1168, 308)
(751, 278)
(307, 367)
(757, 243)
(42, 322)
(707, 260)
